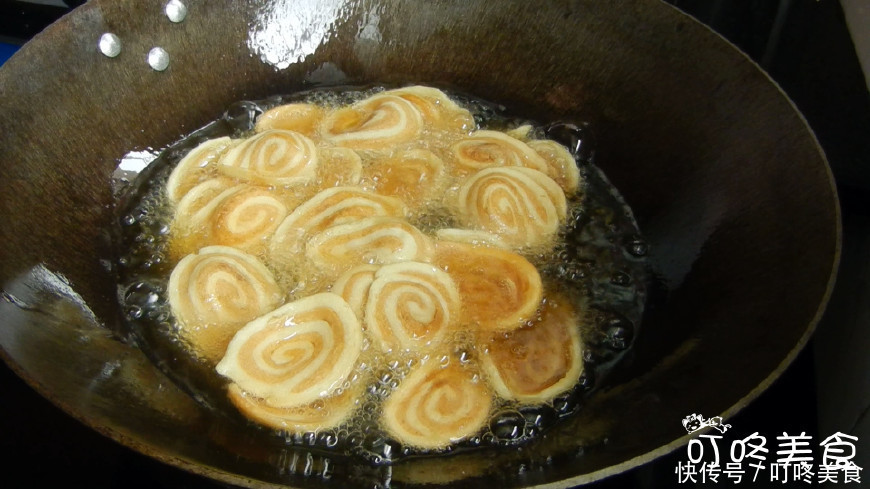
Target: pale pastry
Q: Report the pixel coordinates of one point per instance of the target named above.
(500, 289)
(336, 205)
(196, 166)
(436, 108)
(353, 286)
(321, 414)
(523, 206)
(216, 291)
(561, 165)
(299, 117)
(274, 157)
(377, 239)
(535, 363)
(299, 353)
(411, 306)
(487, 149)
(437, 406)
(416, 176)
(374, 123)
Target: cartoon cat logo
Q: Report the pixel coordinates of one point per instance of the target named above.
(695, 422)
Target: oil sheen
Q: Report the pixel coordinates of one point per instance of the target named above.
(597, 264)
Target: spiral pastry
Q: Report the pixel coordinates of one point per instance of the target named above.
(373, 123)
(378, 240)
(486, 149)
(296, 354)
(245, 218)
(411, 306)
(353, 286)
(523, 206)
(214, 292)
(338, 167)
(436, 406)
(336, 205)
(535, 363)
(302, 118)
(415, 176)
(273, 157)
(196, 166)
(500, 289)
(437, 109)
(561, 165)
(321, 414)
(198, 203)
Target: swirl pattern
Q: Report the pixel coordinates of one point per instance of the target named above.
(486, 149)
(436, 108)
(523, 206)
(415, 176)
(195, 167)
(535, 363)
(378, 240)
(336, 205)
(373, 123)
(296, 354)
(353, 286)
(273, 157)
(411, 306)
(561, 165)
(319, 415)
(302, 118)
(436, 406)
(214, 292)
(500, 289)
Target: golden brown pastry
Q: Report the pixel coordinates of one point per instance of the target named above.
(487, 149)
(524, 207)
(299, 353)
(500, 289)
(416, 176)
(411, 306)
(337, 205)
(321, 414)
(374, 123)
(272, 157)
(535, 363)
(436, 108)
(216, 291)
(436, 406)
(299, 117)
(242, 216)
(377, 240)
(353, 286)
(561, 165)
(196, 166)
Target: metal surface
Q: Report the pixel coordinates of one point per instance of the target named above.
(726, 181)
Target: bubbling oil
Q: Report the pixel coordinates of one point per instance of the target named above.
(597, 263)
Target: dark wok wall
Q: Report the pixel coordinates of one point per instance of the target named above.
(726, 182)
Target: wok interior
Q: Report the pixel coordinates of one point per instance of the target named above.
(726, 182)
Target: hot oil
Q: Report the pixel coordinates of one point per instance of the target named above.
(597, 263)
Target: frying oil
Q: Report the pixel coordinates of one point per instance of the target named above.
(598, 261)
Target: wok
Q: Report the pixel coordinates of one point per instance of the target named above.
(727, 184)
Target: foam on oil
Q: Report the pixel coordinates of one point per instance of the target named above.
(598, 262)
